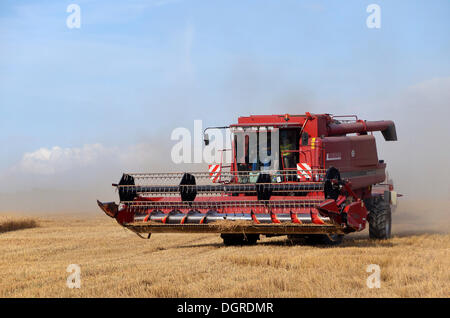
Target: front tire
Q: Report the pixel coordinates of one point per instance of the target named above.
(380, 219)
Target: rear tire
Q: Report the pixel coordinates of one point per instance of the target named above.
(239, 239)
(380, 219)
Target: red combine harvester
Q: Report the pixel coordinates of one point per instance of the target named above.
(323, 180)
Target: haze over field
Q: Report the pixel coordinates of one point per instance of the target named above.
(80, 106)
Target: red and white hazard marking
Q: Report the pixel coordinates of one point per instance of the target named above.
(304, 171)
(214, 172)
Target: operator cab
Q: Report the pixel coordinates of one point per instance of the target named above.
(261, 148)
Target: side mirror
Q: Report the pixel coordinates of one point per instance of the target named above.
(206, 139)
(305, 138)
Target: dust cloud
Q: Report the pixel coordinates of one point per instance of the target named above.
(418, 161)
(413, 217)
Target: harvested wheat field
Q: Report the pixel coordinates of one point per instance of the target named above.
(116, 263)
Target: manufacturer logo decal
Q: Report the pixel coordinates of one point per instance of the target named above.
(334, 156)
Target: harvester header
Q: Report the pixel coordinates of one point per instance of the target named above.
(311, 176)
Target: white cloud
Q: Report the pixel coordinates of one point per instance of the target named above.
(57, 160)
(48, 161)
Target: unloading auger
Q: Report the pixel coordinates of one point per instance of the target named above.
(322, 183)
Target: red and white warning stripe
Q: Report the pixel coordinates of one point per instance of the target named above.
(214, 172)
(304, 171)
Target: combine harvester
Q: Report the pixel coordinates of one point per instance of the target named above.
(324, 181)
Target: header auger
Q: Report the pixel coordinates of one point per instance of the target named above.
(320, 179)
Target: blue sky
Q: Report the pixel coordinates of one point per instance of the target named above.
(135, 70)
